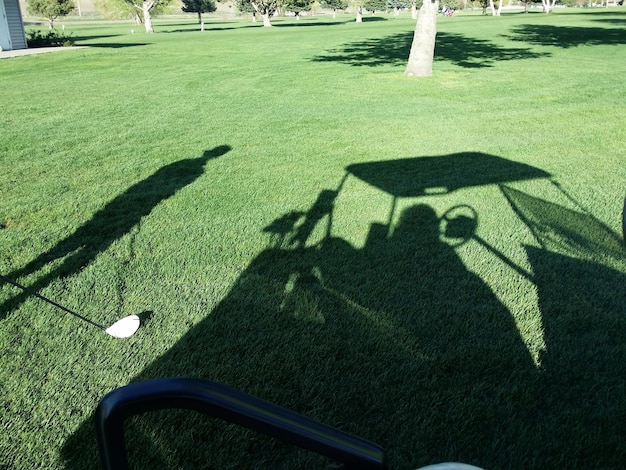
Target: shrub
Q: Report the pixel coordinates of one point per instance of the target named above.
(52, 38)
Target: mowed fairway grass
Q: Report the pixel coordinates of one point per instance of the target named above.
(435, 265)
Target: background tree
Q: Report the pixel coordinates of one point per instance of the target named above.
(398, 5)
(422, 53)
(526, 3)
(50, 9)
(266, 8)
(496, 11)
(334, 5)
(375, 5)
(297, 6)
(120, 9)
(451, 4)
(199, 7)
(415, 4)
(244, 6)
(358, 7)
(483, 4)
(145, 7)
(548, 5)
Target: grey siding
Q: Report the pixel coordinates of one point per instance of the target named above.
(14, 21)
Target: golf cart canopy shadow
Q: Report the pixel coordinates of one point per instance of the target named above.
(413, 177)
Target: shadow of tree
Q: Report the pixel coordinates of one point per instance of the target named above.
(110, 223)
(568, 36)
(400, 343)
(117, 45)
(617, 21)
(456, 48)
(305, 23)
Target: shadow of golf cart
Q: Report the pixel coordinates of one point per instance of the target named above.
(566, 236)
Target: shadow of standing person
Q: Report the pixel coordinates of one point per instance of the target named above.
(110, 223)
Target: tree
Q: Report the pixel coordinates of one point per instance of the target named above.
(121, 9)
(375, 5)
(526, 3)
(494, 11)
(452, 4)
(145, 7)
(483, 4)
(117, 10)
(358, 7)
(398, 5)
(422, 53)
(415, 4)
(244, 6)
(548, 5)
(334, 5)
(199, 7)
(266, 8)
(297, 6)
(50, 9)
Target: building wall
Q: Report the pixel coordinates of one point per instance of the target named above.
(13, 22)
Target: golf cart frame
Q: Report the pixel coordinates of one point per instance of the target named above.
(231, 405)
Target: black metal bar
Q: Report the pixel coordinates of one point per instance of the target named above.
(229, 404)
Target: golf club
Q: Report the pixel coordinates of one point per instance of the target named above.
(123, 328)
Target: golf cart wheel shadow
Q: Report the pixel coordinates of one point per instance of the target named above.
(234, 406)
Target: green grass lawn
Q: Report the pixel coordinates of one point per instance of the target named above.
(433, 264)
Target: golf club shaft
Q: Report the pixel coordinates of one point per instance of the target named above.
(65, 309)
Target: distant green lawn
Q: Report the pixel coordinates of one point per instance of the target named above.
(433, 264)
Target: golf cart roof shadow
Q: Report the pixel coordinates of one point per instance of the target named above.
(421, 176)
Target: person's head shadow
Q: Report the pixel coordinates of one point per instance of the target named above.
(109, 224)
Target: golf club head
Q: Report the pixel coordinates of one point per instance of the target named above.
(124, 328)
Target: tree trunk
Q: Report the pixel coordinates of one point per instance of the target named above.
(199, 18)
(548, 6)
(494, 12)
(423, 47)
(266, 19)
(147, 19)
(359, 14)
